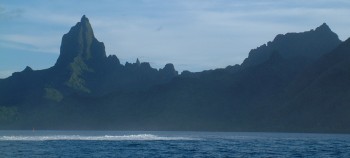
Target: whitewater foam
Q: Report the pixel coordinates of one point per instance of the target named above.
(140, 137)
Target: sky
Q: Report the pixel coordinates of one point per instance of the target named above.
(194, 35)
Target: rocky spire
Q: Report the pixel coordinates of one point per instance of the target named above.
(81, 43)
(169, 70)
(324, 27)
(138, 63)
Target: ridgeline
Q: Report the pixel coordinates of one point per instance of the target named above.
(299, 82)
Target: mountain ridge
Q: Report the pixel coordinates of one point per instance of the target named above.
(86, 89)
(290, 45)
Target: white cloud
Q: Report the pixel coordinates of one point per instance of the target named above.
(9, 14)
(30, 43)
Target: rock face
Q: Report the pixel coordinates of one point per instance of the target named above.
(169, 71)
(319, 97)
(80, 44)
(328, 77)
(84, 64)
(83, 68)
(310, 44)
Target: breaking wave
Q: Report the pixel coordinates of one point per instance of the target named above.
(94, 138)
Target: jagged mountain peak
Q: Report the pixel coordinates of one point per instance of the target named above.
(169, 70)
(324, 27)
(320, 31)
(138, 63)
(28, 69)
(85, 26)
(83, 30)
(84, 18)
(81, 43)
(310, 44)
(169, 66)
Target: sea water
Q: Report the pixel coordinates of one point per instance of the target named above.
(170, 144)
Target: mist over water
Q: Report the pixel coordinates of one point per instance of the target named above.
(170, 144)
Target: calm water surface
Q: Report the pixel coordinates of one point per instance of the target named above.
(170, 144)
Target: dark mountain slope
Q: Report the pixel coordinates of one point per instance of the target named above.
(221, 101)
(320, 96)
(310, 44)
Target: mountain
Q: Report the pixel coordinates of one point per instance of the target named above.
(296, 83)
(320, 95)
(304, 46)
(80, 45)
(82, 68)
(310, 44)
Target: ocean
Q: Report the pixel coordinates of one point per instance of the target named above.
(170, 144)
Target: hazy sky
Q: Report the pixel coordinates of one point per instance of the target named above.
(193, 34)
